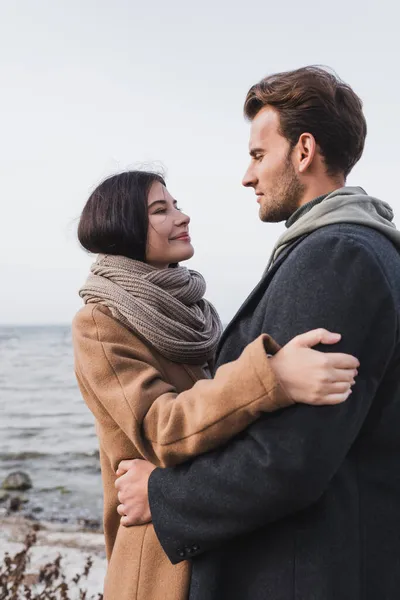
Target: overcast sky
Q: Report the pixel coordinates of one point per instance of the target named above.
(89, 88)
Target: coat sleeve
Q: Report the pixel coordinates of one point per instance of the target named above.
(285, 461)
(167, 427)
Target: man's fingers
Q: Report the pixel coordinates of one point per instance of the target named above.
(130, 522)
(125, 521)
(118, 482)
(124, 466)
(121, 510)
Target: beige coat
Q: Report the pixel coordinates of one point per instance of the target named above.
(146, 406)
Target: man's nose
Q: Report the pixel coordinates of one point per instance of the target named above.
(248, 179)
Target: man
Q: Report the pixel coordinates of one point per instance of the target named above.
(305, 504)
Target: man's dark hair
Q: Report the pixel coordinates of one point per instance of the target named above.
(115, 217)
(314, 100)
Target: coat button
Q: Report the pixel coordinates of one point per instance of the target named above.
(181, 553)
(195, 548)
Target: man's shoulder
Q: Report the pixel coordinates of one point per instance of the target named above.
(362, 234)
(334, 255)
(336, 241)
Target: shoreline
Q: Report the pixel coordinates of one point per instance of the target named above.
(74, 544)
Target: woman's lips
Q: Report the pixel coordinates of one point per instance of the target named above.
(182, 238)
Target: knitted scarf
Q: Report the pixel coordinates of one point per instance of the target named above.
(163, 306)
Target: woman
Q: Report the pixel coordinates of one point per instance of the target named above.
(144, 344)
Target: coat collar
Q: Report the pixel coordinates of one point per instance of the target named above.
(258, 292)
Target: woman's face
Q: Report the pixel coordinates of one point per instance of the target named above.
(168, 238)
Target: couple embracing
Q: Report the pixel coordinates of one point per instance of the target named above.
(262, 462)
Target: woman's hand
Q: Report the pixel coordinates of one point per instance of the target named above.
(314, 377)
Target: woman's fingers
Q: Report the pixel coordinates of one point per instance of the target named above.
(121, 510)
(340, 375)
(314, 377)
(337, 387)
(316, 336)
(335, 398)
(341, 361)
(348, 375)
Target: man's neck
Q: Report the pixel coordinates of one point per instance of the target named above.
(323, 188)
(302, 210)
(313, 196)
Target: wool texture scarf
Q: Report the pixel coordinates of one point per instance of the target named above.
(345, 205)
(165, 307)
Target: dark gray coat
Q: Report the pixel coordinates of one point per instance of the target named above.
(305, 505)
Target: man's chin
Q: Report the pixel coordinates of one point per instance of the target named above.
(270, 217)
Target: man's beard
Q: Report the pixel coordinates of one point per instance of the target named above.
(285, 199)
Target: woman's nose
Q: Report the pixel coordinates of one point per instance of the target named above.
(182, 219)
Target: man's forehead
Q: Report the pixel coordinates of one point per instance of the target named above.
(264, 125)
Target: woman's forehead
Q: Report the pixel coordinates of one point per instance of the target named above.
(158, 191)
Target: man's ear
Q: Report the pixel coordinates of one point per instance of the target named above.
(304, 152)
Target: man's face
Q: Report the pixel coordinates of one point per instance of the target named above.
(271, 171)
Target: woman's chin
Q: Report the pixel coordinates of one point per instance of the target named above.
(185, 254)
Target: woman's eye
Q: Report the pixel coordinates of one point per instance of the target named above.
(178, 208)
(160, 212)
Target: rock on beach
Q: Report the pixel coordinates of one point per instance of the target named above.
(18, 481)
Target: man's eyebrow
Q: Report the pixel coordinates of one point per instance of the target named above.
(160, 202)
(254, 151)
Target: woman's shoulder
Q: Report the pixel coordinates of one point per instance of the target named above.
(96, 321)
(94, 328)
(90, 314)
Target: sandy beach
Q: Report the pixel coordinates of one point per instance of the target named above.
(73, 544)
(48, 437)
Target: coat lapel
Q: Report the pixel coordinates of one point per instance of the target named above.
(194, 374)
(258, 291)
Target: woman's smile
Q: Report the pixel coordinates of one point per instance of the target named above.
(182, 237)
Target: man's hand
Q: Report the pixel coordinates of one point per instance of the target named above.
(132, 483)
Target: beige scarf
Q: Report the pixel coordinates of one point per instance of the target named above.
(164, 306)
(345, 205)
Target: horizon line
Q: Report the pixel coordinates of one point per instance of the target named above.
(58, 324)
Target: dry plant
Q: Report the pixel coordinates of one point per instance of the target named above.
(50, 584)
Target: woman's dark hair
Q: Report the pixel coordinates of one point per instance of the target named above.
(115, 218)
(314, 100)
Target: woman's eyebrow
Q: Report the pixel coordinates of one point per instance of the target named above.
(160, 202)
(157, 202)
